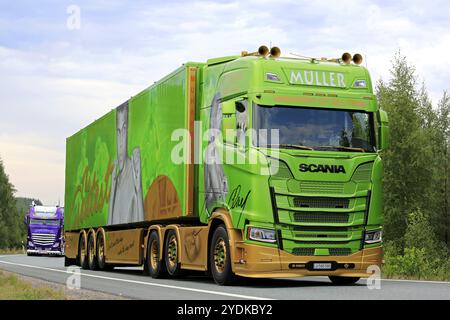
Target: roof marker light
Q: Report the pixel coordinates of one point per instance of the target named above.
(357, 58)
(275, 52)
(346, 58)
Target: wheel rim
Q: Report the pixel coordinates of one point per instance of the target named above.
(100, 251)
(91, 250)
(172, 253)
(154, 256)
(82, 251)
(220, 253)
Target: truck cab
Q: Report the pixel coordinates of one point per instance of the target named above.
(300, 165)
(44, 230)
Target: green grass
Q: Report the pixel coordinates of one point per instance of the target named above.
(11, 251)
(13, 288)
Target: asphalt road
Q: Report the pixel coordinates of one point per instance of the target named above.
(130, 282)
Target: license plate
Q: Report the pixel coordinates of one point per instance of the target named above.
(322, 266)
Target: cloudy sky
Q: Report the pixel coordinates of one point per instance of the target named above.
(55, 78)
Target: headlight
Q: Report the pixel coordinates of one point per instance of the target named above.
(264, 235)
(374, 236)
(56, 245)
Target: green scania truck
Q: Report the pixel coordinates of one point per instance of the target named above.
(253, 165)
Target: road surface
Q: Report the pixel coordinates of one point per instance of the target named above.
(131, 283)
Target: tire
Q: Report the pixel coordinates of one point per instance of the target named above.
(82, 256)
(91, 254)
(343, 281)
(154, 266)
(100, 252)
(220, 259)
(171, 254)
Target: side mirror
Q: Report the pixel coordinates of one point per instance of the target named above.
(383, 130)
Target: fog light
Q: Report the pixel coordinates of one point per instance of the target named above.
(374, 236)
(264, 235)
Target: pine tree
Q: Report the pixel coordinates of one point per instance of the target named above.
(407, 173)
(442, 217)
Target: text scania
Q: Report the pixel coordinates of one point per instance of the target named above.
(325, 168)
(318, 78)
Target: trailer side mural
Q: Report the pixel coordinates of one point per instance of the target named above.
(147, 184)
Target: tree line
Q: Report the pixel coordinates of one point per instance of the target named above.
(12, 212)
(416, 176)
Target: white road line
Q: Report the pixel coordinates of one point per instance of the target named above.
(144, 283)
(402, 280)
(419, 281)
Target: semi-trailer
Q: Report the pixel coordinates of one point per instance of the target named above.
(253, 165)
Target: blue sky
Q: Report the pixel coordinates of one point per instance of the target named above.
(54, 80)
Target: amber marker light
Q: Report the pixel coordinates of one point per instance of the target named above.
(275, 52)
(263, 51)
(346, 58)
(357, 58)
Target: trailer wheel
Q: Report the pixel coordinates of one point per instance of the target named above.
(220, 258)
(343, 281)
(171, 254)
(82, 258)
(101, 261)
(153, 265)
(92, 258)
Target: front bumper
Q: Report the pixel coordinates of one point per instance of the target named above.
(266, 262)
(48, 252)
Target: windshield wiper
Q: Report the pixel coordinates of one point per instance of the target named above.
(291, 146)
(341, 148)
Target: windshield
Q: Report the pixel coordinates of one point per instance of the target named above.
(45, 222)
(315, 129)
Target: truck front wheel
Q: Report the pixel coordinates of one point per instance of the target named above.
(343, 281)
(153, 265)
(220, 258)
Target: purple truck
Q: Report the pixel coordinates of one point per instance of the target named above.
(45, 230)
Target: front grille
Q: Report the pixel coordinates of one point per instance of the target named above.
(323, 242)
(323, 236)
(307, 202)
(43, 238)
(321, 187)
(303, 251)
(340, 251)
(321, 217)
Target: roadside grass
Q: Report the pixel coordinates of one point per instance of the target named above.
(12, 288)
(11, 251)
